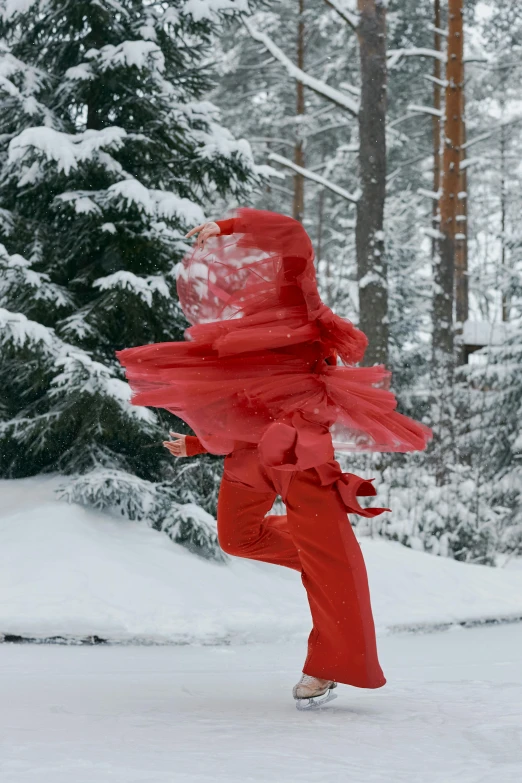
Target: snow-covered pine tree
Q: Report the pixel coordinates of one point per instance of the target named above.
(108, 154)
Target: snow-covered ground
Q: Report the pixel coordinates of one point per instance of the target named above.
(450, 713)
(69, 571)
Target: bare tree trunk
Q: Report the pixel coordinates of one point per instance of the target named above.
(436, 121)
(299, 159)
(461, 242)
(369, 234)
(444, 262)
(503, 259)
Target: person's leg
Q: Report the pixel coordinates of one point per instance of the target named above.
(245, 531)
(342, 645)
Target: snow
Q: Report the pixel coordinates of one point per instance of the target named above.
(371, 278)
(82, 72)
(395, 55)
(433, 233)
(210, 9)
(71, 571)
(139, 54)
(66, 149)
(12, 7)
(143, 287)
(158, 203)
(485, 333)
(96, 378)
(326, 183)
(347, 10)
(72, 363)
(20, 330)
(341, 99)
(425, 110)
(451, 711)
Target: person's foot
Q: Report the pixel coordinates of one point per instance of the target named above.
(310, 687)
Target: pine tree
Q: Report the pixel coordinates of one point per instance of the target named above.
(109, 152)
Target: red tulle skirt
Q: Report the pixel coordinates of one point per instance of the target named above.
(259, 372)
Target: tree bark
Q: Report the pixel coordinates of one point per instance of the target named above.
(436, 121)
(461, 243)
(369, 234)
(444, 263)
(503, 204)
(443, 337)
(299, 158)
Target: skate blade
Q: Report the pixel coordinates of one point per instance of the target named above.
(315, 702)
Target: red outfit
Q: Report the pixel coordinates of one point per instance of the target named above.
(258, 381)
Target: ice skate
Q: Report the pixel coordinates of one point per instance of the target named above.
(313, 693)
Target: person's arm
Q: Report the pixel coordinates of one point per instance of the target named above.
(194, 446)
(184, 445)
(212, 229)
(226, 226)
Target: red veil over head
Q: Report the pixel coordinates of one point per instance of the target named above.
(257, 364)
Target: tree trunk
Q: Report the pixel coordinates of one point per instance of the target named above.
(436, 121)
(461, 242)
(369, 234)
(503, 258)
(299, 160)
(445, 262)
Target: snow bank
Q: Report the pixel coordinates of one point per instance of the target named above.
(68, 571)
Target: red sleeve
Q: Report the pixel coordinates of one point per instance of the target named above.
(226, 226)
(194, 446)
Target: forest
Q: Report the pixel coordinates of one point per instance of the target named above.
(391, 129)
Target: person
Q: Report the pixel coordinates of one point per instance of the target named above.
(266, 377)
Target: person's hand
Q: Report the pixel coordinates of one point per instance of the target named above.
(177, 447)
(205, 231)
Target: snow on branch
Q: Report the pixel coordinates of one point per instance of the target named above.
(17, 274)
(13, 7)
(156, 203)
(352, 197)
(340, 99)
(79, 373)
(424, 110)
(140, 54)
(441, 82)
(143, 287)
(395, 55)
(211, 9)
(433, 233)
(15, 328)
(66, 149)
(429, 193)
(346, 10)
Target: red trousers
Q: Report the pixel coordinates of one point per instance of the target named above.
(315, 538)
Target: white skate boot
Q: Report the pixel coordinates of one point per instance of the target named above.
(312, 693)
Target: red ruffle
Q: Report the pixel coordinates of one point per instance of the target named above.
(254, 365)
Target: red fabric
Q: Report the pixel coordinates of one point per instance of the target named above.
(315, 538)
(194, 446)
(226, 226)
(255, 355)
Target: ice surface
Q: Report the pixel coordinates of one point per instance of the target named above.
(450, 713)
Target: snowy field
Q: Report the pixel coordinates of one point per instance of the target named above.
(450, 713)
(219, 709)
(68, 571)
